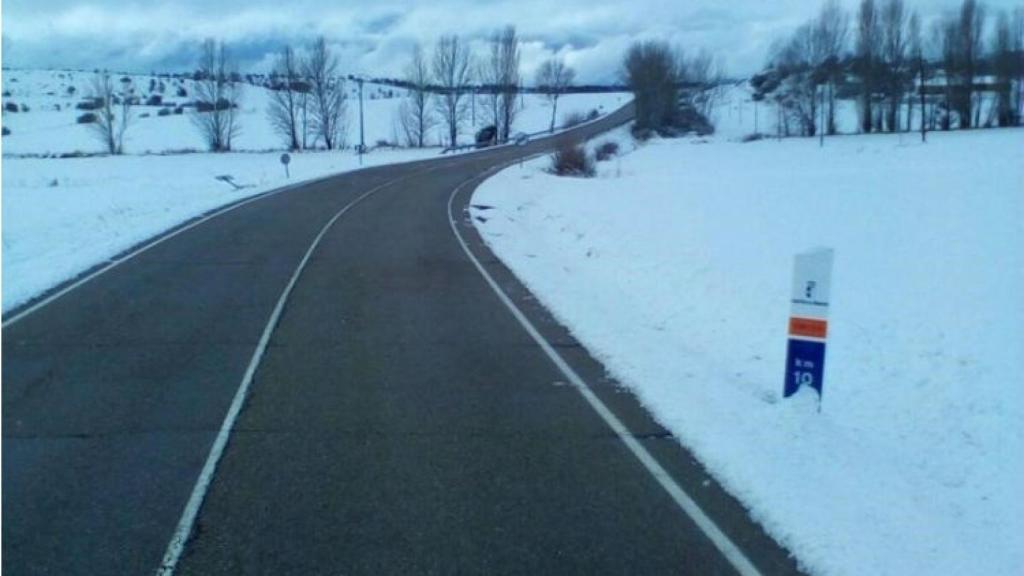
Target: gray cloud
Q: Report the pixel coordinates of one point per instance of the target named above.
(376, 37)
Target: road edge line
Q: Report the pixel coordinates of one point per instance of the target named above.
(718, 538)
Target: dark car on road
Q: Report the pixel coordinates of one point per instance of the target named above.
(487, 136)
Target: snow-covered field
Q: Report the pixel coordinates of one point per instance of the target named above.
(62, 216)
(674, 268)
(44, 129)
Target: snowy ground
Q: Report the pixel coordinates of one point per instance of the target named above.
(44, 129)
(736, 115)
(674, 268)
(62, 216)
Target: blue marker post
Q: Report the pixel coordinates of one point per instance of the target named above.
(808, 322)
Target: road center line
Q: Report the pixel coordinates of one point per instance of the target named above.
(727, 547)
(188, 516)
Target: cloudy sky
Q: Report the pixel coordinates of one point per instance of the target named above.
(375, 37)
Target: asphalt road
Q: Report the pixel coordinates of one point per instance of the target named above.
(400, 419)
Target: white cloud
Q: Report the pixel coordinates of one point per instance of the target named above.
(375, 37)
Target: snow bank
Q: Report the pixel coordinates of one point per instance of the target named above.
(62, 216)
(673, 267)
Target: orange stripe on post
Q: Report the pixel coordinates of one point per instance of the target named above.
(808, 327)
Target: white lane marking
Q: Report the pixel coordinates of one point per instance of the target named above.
(683, 500)
(195, 501)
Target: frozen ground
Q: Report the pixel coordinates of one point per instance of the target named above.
(674, 268)
(44, 129)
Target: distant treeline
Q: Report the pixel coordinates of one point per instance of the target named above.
(966, 71)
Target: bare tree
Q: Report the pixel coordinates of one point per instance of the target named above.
(704, 76)
(651, 70)
(945, 37)
(1017, 42)
(965, 45)
(218, 94)
(553, 77)
(831, 29)
(498, 72)
(327, 95)
(893, 21)
(917, 55)
(488, 74)
(451, 69)
(797, 64)
(868, 40)
(1003, 65)
(414, 115)
(109, 128)
(507, 47)
(285, 107)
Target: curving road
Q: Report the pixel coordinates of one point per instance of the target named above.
(341, 379)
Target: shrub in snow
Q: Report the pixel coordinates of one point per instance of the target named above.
(179, 110)
(24, 108)
(572, 160)
(222, 104)
(606, 150)
(164, 112)
(90, 104)
(10, 107)
(642, 134)
(87, 118)
(144, 115)
(753, 137)
(593, 114)
(182, 92)
(573, 119)
(154, 100)
(6, 131)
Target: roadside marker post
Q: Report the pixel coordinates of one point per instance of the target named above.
(286, 159)
(808, 321)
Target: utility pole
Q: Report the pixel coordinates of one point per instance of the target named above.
(362, 141)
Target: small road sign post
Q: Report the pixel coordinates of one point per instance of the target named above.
(808, 321)
(286, 159)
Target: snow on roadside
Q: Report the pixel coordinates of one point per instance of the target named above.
(63, 216)
(673, 267)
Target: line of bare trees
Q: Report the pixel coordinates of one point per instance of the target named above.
(308, 104)
(444, 89)
(894, 67)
